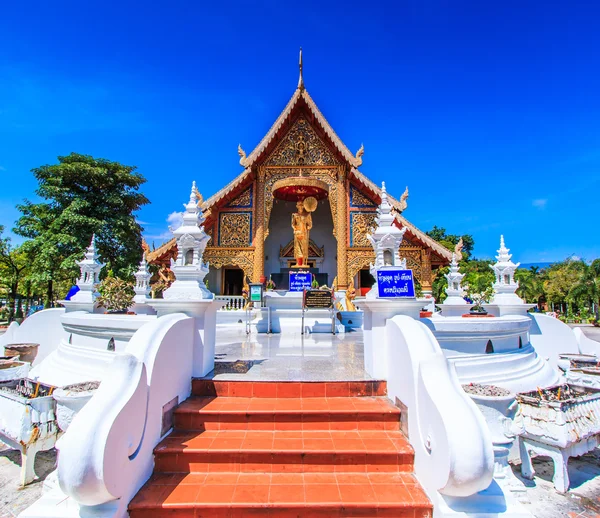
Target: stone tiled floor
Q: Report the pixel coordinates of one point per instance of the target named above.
(288, 356)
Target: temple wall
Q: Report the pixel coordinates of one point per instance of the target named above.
(280, 234)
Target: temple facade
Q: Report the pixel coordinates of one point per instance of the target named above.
(249, 221)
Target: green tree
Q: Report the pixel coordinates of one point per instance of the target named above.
(82, 195)
(586, 291)
(451, 240)
(531, 284)
(13, 266)
(561, 277)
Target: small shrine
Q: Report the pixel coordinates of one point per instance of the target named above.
(387, 237)
(505, 299)
(90, 266)
(188, 267)
(142, 288)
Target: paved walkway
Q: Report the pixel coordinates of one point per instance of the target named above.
(288, 356)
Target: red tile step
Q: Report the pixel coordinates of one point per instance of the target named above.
(245, 413)
(284, 449)
(288, 389)
(396, 495)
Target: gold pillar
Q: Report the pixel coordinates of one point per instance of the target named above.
(259, 231)
(426, 277)
(342, 231)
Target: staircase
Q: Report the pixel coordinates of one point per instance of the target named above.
(284, 449)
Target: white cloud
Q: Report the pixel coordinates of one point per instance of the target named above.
(540, 203)
(175, 220)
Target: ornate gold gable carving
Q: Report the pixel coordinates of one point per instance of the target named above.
(362, 224)
(313, 250)
(301, 146)
(243, 200)
(218, 257)
(235, 228)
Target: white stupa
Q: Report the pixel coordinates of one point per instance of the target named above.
(505, 301)
(386, 238)
(455, 304)
(90, 266)
(142, 289)
(188, 268)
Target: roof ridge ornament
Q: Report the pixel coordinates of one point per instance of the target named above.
(242, 154)
(403, 203)
(301, 78)
(358, 157)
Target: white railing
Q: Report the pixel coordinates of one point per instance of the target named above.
(453, 446)
(234, 302)
(106, 455)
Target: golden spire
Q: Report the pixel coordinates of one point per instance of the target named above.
(300, 79)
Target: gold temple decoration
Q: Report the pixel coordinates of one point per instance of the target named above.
(234, 229)
(310, 204)
(198, 196)
(301, 225)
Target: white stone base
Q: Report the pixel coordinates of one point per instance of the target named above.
(500, 310)
(290, 321)
(55, 504)
(455, 310)
(493, 502)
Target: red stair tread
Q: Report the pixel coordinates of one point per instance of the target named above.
(286, 441)
(247, 405)
(281, 489)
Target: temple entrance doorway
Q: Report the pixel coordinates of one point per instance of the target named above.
(233, 280)
(365, 281)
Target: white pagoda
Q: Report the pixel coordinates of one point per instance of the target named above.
(90, 266)
(505, 301)
(386, 238)
(188, 268)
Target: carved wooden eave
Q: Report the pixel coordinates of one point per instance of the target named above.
(162, 251)
(441, 251)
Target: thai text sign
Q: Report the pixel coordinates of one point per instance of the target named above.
(395, 283)
(256, 291)
(318, 299)
(300, 281)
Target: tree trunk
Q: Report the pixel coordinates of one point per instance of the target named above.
(49, 295)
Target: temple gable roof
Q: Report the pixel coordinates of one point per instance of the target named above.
(302, 106)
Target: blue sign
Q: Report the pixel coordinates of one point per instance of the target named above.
(395, 283)
(300, 281)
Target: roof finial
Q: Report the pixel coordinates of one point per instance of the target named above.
(300, 79)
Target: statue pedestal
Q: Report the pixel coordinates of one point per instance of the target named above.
(376, 314)
(205, 314)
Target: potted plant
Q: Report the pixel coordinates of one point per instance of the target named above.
(270, 284)
(116, 295)
(314, 284)
(478, 299)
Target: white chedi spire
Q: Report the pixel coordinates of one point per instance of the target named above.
(505, 285)
(188, 268)
(142, 282)
(90, 268)
(387, 237)
(454, 290)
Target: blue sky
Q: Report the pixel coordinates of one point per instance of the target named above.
(488, 111)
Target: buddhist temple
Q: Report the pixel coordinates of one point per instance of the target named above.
(250, 219)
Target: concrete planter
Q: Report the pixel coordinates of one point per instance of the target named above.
(558, 425)
(71, 399)
(25, 352)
